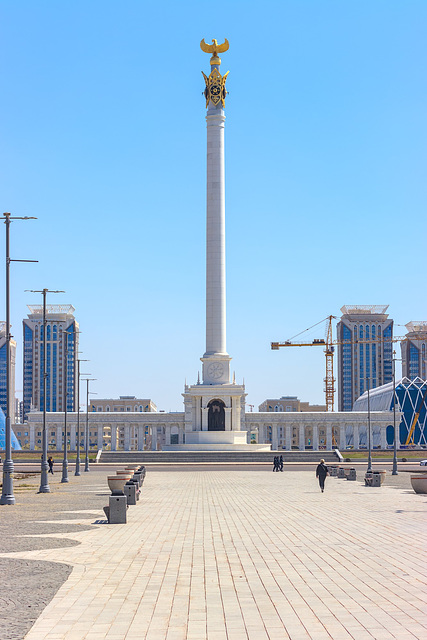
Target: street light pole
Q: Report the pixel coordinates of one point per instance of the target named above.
(87, 425)
(44, 482)
(65, 460)
(369, 430)
(394, 472)
(77, 471)
(7, 496)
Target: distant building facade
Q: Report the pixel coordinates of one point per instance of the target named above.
(289, 403)
(19, 410)
(365, 348)
(413, 349)
(123, 403)
(3, 392)
(62, 342)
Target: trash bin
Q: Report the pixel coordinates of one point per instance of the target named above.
(352, 474)
(376, 479)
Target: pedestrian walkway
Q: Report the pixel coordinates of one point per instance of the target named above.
(237, 555)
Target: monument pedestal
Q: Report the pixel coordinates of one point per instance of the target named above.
(217, 441)
(215, 419)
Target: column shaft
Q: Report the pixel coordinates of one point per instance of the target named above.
(215, 235)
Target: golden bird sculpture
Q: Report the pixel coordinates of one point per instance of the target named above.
(214, 49)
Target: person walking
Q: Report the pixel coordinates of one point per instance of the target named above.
(321, 473)
(50, 463)
(276, 463)
(281, 463)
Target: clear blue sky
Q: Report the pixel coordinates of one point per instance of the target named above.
(103, 139)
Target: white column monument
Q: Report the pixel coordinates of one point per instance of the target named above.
(214, 406)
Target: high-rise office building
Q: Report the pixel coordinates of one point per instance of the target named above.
(61, 342)
(365, 351)
(3, 394)
(414, 356)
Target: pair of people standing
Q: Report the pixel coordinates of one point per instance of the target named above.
(278, 463)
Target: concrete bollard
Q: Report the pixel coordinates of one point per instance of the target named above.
(130, 490)
(138, 477)
(341, 473)
(352, 474)
(117, 510)
(333, 471)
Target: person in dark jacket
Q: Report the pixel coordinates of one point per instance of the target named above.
(50, 463)
(321, 473)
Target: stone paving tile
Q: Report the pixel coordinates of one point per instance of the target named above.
(230, 555)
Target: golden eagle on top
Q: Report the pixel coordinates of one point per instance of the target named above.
(214, 48)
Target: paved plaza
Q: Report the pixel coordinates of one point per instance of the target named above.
(228, 554)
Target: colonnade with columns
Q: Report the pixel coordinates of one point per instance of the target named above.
(139, 431)
(319, 431)
(125, 432)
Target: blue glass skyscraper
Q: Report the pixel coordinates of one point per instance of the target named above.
(61, 343)
(3, 392)
(365, 351)
(414, 351)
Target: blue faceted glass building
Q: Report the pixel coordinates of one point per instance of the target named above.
(15, 443)
(411, 399)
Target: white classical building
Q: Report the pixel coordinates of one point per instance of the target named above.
(214, 417)
(136, 431)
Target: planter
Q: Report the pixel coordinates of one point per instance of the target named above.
(383, 475)
(419, 483)
(116, 484)
(127, 474)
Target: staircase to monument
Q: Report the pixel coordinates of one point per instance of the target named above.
(214, 457)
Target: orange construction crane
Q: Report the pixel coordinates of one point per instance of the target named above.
(329, 343)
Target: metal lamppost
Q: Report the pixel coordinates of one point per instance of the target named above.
(7, 496)
(77, 471)
(369, 430)
(65, 459)
(87, 425)
(44, 482)
(394, 472)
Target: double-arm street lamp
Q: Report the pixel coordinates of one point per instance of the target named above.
(65, 459)
(369, 429)
(44, 482)
(394, 472)
(77, 471)
(7, 496)
(87, 424)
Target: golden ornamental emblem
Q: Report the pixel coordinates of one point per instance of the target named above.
(215, 90)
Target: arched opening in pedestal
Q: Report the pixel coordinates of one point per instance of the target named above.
(216, 415)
